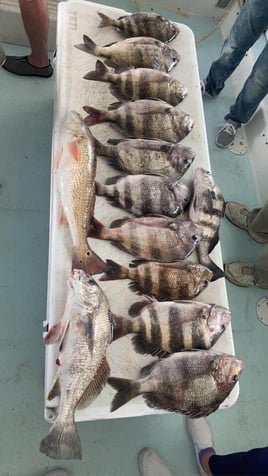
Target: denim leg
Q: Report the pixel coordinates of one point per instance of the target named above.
(249, 25)
(253, 91)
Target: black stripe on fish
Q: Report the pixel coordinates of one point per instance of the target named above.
(127, 196)
(156, 335)
(174, 337)
(198, 341)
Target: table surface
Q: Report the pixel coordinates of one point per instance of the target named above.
(76, 18)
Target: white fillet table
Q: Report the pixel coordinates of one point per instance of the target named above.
(72, 92)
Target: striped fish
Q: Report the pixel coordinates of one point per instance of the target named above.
(163, 328)
(142, 24)
(207, 209)
(146, 194)
(141, 156)
(151, 238)
(140, 83)
(144, 119)
(165, 281)
(139, 52)
(194, 383)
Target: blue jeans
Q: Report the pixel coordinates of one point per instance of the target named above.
(248, 27)
(248, 463)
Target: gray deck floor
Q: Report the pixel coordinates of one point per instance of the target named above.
(110, 448)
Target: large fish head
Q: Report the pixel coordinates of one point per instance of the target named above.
(181, 158)
(83, 289)
(217, 321)
(170, 57)
(227, 370)
(189, 232)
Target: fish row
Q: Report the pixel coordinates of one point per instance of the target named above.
(194, 383)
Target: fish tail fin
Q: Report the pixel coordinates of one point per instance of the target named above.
(88, 261)
(100, 74)
(95, 116)
(99, 189)
(121, 326)
(126, 390)
(114, 271)
(62, 442)
(217, 272)
(88, 46)
(105, 21)
(98, 230)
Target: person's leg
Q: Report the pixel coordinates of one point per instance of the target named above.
(248, 27)
(35, 19)
(200, 433)
(248, 463)
(253, 91)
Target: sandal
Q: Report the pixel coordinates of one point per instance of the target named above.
(21, 66)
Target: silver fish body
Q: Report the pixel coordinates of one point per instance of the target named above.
(163, 328)
(140, 83)
(194, 383)
(146, 194)
(141, 156)
(207, 208)
(142, 24)
(139, 52)
(152, 238)
(165, 281)
(144, 119)
(84, 334)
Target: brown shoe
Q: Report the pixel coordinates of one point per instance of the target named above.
(237, 214)
(240, 274)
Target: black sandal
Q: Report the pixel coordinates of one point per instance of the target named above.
(21, 66)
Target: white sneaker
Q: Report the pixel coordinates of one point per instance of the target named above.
(199, 431)
(57, 472)
(150, 464)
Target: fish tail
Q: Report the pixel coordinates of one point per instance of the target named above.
(99, 189)
(62, 442)
(88, 261)
(217, 272)
(126, 390)
(105, 21)
(100, 74)
(121, 326)
(98, 230)
(88, 46)
(114, 271)
(95, 116)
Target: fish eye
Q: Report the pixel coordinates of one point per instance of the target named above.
(222, 327)
(194, 237)
(88, 253)
(206, 282)
(185, 161)
(235, 378)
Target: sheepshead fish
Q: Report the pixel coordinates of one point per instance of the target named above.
(163, 328)
(140, 83)
(165, 281)
(84, 333)
(75, 175)
(142, 24)
(144, 119)
(194, 383)
(139, 52)
(207, 209)
(151, 238)
(141, 156)
(146, 194)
